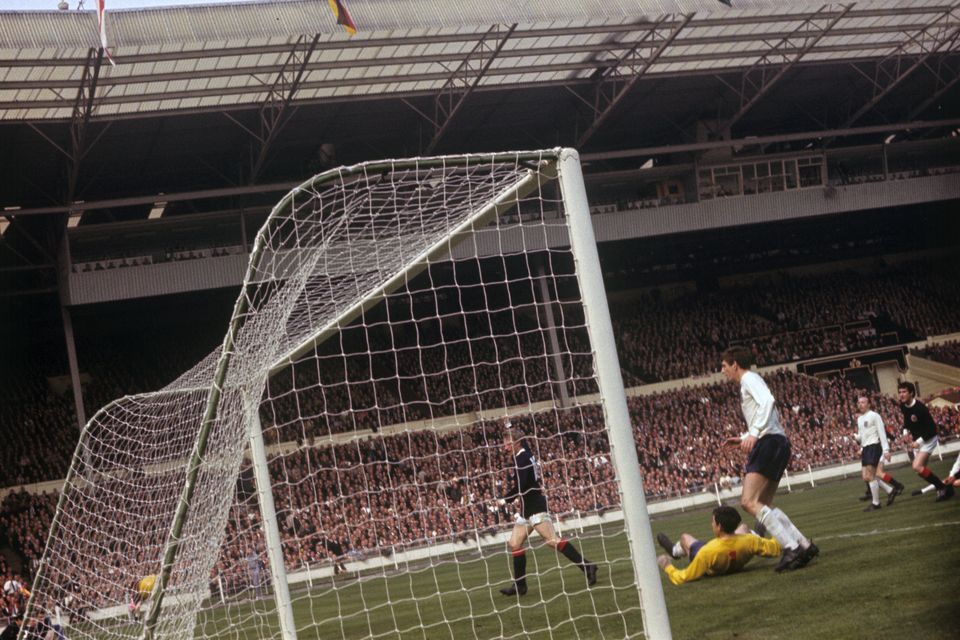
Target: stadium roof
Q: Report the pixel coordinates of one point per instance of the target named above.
(218, 108)
(228, 57)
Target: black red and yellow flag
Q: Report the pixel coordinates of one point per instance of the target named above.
(343, 16)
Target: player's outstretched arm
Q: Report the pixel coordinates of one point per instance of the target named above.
(694, 570)
(766, 547)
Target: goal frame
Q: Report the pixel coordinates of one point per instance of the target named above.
(561, 164)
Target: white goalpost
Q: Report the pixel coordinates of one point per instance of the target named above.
(337, 468)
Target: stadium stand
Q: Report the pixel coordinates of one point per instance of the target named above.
(426, 496)
(792, 319)
(946, 352)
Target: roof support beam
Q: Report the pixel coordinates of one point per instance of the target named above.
(152, 198)
(746, 56)
(607, 155)
(947, 73)
(765, 140)
(80, 118)
(616, 78)
(910, 55)
(756, 82)
(274, 112)
(517, 52)
(464, 79)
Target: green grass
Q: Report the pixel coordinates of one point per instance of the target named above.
(889, 573)
(884, 574)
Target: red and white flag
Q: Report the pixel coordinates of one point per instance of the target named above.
(102, 25)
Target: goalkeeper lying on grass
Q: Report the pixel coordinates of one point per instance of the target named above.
(731, 549)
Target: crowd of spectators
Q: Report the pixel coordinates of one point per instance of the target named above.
(841, 175)
(946, 352)
(453, 365)
(384, 493)
(38, 423)
(789, 319)
(169, 255)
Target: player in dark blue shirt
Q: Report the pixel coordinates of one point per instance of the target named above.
(533, 515)
(918, 422)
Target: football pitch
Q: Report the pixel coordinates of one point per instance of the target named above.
(888, 573)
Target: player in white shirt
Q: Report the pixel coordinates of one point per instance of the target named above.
(768, 448)
(953, 479)
(872, 436)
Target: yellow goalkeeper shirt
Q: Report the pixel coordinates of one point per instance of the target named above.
(724, 555)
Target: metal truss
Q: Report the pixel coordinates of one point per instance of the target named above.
(275, 111)
(616, 77)
(757, 81)
(463, 80)
(946, 71)
(80, 118)
(83, 106)
(281, 187)
(890, 71)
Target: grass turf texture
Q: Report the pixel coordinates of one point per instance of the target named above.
(882, 574)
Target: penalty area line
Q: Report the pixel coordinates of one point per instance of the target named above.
(880, 532)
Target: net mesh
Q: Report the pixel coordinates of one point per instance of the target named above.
(395, 315)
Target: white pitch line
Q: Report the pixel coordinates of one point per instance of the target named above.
(878, 532)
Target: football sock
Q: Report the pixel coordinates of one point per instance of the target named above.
(570, 552)
(875, 492)
(931, 477)
(519, 565)
(886, 487)
(776, 528)
(677, 551)
(789, 526)
(928, 488)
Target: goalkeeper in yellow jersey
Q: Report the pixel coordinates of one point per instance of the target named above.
(142, 590)
(731, 549)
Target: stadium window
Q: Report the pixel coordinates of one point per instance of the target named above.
(811, 172)
(790, 172)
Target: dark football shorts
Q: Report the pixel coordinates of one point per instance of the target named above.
(870, 456)
(695, 548)
(770, 457)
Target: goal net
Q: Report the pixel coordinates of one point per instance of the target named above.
(337, 469)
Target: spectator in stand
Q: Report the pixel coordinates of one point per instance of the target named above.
(255, 568)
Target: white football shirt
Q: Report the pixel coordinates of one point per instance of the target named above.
(872, 431)
(759, 407)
